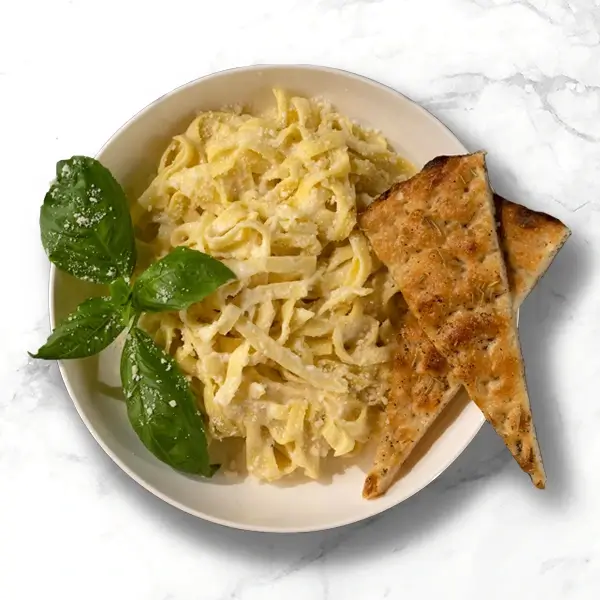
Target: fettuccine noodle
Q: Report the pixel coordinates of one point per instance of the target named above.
(292, 357)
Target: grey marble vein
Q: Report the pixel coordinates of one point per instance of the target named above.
(467, 87)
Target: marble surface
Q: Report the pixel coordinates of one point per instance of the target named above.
(520, 78)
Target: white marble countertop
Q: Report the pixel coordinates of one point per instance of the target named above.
(520, 78)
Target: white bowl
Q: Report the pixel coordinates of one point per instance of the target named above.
(298, 505)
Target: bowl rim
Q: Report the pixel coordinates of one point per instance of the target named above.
(378, 506)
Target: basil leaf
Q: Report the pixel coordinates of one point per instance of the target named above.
(161, 406)
(182, 277)
(85, 222)
(120, 291)
(91, 328)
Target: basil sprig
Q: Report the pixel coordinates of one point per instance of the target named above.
(87, 231)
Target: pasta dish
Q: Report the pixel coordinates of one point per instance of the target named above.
(289, 362)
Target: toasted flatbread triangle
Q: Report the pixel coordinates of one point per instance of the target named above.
(422, 382)
(437, 235)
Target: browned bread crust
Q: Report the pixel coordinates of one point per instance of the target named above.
(422, 382)
(439, 227)
(530, 240)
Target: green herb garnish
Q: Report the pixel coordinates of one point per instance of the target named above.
(161, 406)
(87, 231)
(176, 281)
(95, 323)
(85, 222)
